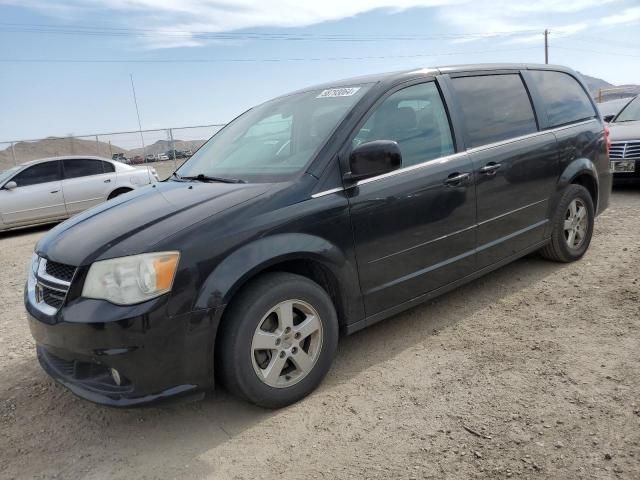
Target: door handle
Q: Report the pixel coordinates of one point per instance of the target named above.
(55, 191)
(490, 168)
(107, 181)
(456, 179)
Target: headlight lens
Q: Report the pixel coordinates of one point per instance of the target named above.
(35, 263)
(134, 279)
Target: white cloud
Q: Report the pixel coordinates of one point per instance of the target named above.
(629, 15)
(193, 16)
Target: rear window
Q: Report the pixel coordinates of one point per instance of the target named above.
(495, 108)
(564, 98)
(74, 168)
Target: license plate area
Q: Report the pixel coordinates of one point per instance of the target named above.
(623, 166)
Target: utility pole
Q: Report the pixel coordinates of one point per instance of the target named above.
(135, 100)
(546, 46)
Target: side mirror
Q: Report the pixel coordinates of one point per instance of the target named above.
(608, 118)
(374, 158)
(10, 185)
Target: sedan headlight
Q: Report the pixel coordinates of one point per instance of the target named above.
(134, 279)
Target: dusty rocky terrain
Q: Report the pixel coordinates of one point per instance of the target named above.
(530, 372)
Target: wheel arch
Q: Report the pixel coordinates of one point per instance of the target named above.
(303, 254)
(583, 172)
(118, 191)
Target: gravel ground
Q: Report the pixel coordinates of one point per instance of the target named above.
(530, 372)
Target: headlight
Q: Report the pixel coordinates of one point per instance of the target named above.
(134, 279)
(35, 263)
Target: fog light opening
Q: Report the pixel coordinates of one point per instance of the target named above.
(116, 377)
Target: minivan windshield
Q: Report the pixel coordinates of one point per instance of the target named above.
(631, 112)
(274, 141)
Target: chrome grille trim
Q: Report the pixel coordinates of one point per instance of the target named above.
(625, 150)
(49, 292)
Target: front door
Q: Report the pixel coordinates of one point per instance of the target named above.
(516, 166)
(414, 228)
(37, 197)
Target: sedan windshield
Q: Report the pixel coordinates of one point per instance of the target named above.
(4, 176)
(273, 141)
(631, 112)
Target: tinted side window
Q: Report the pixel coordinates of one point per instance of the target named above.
(564, 99)
(108, 167)
(415, 118)
(41, 173)
(74, 168)
(495, 108)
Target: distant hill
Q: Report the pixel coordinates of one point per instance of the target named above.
(54, 147)
(609, 91)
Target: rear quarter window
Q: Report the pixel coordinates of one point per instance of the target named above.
(494, 108)
(564, 99)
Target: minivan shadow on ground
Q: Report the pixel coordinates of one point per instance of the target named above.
(172, 437)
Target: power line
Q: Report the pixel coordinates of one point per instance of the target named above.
(255, 60)
(562, 47)
(146, 32)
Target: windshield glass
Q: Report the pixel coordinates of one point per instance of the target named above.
(276, 140)
(4, 176)
(631, 112)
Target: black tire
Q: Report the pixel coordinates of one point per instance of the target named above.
(236, 359)
(558, 248)
(118, 192)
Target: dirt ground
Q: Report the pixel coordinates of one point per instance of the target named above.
(540, 360)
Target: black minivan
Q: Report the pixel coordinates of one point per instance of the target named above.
(318, 212)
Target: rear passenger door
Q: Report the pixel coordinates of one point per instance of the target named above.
(515, 165)
(86, 183)
(414, 227)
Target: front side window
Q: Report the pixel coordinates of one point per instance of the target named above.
(416, 119)
(79, 167)
(276, 140)
(564, 99)
(494, 108)
(7, 174)
(40, 173)
(631, 112)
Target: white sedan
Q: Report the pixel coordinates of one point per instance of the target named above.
(53, 189)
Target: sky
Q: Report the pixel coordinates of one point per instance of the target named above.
(65, 65)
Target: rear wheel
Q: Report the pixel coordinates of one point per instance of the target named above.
(572, 226)
(278, 340)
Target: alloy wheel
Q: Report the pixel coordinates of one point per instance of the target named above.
(576, 223)
(286, 343)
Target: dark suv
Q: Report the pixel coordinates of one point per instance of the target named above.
(318, 212)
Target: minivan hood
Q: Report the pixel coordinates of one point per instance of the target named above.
(623, 131)
(134, 222)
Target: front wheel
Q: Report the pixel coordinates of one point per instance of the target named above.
(278, 340)
(572, 226)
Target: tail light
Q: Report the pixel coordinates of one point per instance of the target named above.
(607, 138)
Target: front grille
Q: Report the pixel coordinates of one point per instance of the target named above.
(60, 270)
(53, 281)
(629, 150)
(53, 298)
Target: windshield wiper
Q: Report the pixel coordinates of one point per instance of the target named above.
(207, 178)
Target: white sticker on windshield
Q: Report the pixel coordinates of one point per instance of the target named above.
(338, 92)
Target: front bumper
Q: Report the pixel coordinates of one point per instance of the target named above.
(626, 177)
(157, 356)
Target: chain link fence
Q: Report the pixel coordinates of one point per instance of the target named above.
(165, 149)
